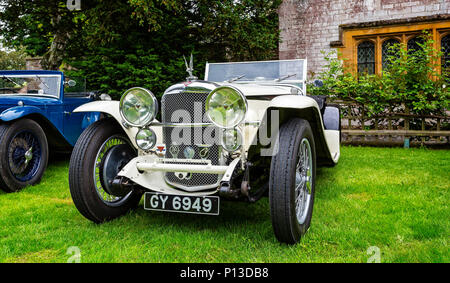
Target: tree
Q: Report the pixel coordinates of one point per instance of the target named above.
(12, 60)
(44, 28)
(118, 44)
(233, 30)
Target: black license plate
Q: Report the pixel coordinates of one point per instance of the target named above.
(184, 204)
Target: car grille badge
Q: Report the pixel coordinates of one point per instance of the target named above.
(189, 152)
(204, 151)
(161, 150)
(174, 151)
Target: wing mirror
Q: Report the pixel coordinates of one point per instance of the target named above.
(105, 97)
(71, 83)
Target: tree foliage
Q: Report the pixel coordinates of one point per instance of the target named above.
(13, 60)
(119, 44)
(44, 28)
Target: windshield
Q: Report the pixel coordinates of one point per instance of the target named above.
(33, 85)
(286, 71)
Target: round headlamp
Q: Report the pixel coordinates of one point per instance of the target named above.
(226, 107)
(146, 139)
(231, 139)
(138, 107)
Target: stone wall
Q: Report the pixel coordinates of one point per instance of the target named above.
(309, 26)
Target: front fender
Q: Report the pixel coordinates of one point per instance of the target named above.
(18, 112)
(112, 109)
(299, 106)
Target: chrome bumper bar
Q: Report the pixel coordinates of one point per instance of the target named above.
(194, 125)
(185, 168)
(190, 166)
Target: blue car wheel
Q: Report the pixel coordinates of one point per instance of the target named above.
(23, 155)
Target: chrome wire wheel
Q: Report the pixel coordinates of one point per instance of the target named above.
(24, 154)
(303, 181)
(107, 198)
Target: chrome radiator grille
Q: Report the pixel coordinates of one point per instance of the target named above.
(194, 104)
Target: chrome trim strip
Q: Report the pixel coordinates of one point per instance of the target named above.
(165, 167)
(176, 125)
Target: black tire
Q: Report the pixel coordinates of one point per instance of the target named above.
(13, 182)
(282, 193)
(81, 174)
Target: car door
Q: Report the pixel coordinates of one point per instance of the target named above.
(76, 123)
(74, 96)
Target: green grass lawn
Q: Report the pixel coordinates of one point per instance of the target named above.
(394, 199)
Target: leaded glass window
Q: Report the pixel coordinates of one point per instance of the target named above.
(413, 43)
(387, 50)
(445, 47)
(366, 58)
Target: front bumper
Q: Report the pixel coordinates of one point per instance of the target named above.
(172, 165)
(148, 172)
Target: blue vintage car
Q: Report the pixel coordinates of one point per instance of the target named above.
(36, 115)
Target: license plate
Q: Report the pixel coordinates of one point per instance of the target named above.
(184, 204)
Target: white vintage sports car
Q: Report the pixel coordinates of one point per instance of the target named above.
(247, 131)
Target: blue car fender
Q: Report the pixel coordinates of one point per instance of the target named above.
(18, 112)
(89, 118)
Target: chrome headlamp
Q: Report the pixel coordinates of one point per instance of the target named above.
(146, 139)
(226, 107)
(231, 139)
(138, 107)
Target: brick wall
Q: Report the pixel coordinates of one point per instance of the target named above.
(308, 26)
(33, 63)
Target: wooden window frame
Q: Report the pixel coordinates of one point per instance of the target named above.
(352, 37)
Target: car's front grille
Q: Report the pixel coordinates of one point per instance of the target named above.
(173, 106)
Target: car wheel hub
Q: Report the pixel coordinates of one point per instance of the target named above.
(106, 171)
(28, 155)
(24, 156)
(115, 159)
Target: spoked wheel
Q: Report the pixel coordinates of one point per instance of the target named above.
(23, 155)
(113, 155)
(303, 181)
(100, 153)
(292, 181)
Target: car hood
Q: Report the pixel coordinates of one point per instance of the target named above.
(8, 101)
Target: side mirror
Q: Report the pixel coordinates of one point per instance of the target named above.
(105, 97)
(71, 83)
(318, 83)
